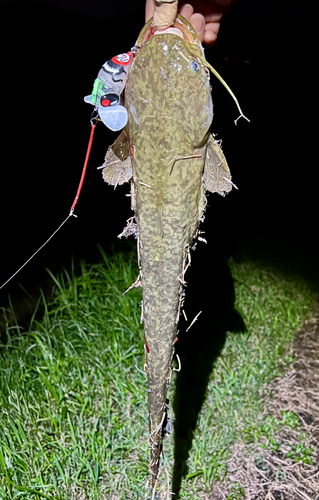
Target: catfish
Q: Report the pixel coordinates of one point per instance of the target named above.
(171, 160)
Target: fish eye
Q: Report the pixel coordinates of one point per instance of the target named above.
(194, 66)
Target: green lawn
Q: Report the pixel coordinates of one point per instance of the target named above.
(73, 413)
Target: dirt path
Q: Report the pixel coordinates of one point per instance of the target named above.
(270, 475)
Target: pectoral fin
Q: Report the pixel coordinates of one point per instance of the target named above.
(117, 165)
(216, 178)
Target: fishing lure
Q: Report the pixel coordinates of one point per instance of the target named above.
(107, 90)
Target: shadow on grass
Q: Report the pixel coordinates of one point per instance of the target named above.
(210, 290)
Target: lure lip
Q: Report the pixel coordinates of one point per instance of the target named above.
(114, 117)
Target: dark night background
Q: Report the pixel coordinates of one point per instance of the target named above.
(51, 53)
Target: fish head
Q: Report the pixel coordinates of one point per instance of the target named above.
(168, 87)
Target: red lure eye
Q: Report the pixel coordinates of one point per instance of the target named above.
(109, 100)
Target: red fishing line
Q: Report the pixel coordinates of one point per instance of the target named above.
(84, 168)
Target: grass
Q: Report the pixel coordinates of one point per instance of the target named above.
(73, 414)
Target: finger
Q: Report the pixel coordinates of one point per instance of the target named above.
(198, 23)
(186, 11)
(211, 33)
(149, 10)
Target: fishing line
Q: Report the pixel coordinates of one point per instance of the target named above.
(93, 125)
(84, 168)
(35, 253)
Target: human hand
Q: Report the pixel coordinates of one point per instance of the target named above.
(205, 17)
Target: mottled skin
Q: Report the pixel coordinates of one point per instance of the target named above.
(170, 112)
(169, 103)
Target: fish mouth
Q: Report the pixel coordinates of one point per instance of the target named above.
(181, 28)
(173, 31)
